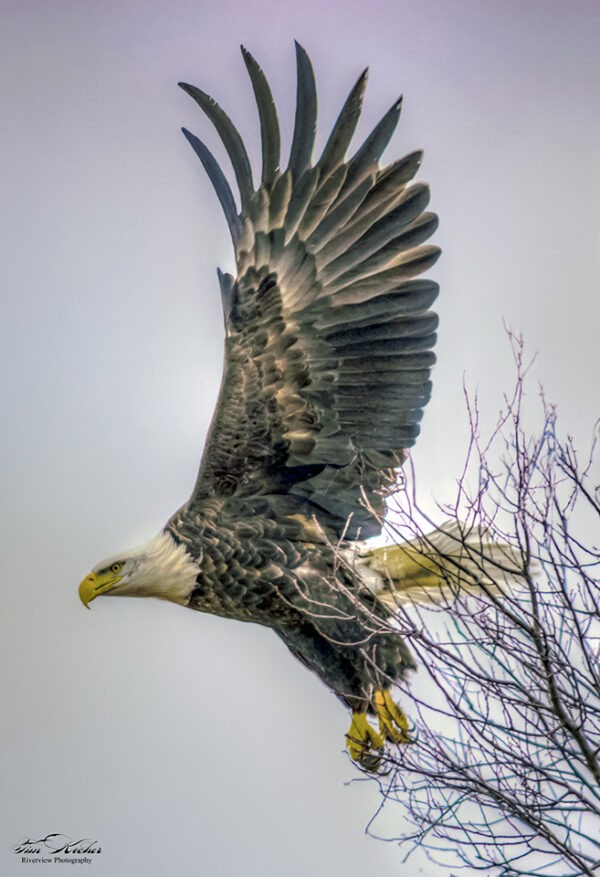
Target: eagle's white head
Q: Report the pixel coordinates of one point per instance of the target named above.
(160, 568)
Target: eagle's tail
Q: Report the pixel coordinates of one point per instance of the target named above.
(438, 566)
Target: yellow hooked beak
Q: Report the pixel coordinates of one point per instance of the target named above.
(95, 584)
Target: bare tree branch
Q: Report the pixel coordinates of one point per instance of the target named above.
(504, 776)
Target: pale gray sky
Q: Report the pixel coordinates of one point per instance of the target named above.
(183, 743)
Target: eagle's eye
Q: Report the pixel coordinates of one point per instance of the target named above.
(116, 567)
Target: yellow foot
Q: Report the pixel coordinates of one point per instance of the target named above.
(393, 724)
(363, 741)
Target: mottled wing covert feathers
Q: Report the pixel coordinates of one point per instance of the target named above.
(329, 335)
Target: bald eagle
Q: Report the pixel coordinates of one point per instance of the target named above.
(328, 353)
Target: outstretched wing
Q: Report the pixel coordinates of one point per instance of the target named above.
(328, 335)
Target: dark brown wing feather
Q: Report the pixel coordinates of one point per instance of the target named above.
(329, 335)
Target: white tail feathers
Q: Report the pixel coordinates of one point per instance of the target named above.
(438, 566)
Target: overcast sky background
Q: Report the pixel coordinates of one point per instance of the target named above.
(183, 743)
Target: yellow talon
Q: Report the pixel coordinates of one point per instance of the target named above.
(362, 739)
(393, 724)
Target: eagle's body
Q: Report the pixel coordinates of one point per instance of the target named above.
(328, 353)
(264, 570)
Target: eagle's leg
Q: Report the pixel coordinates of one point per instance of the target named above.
(393, 724)
(364, 742)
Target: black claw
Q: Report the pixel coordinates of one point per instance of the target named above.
(370, 761)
